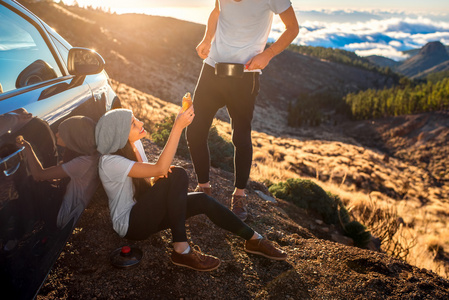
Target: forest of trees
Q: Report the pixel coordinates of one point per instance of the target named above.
(435, 77)
(400, 100)
(409, 97)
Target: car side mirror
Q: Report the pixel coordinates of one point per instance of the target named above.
(83, 61)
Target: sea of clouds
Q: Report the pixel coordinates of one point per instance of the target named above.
(368, 32)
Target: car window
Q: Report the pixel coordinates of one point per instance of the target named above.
(63, 50)
(61, 44)
(25, 58)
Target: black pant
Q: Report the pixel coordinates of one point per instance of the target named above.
(167, 205)
(239, 95)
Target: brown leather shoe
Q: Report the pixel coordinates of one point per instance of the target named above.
(238, 206)
(265, 248)
(196, 260)
(206, 190)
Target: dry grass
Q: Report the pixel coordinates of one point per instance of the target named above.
(396, 201)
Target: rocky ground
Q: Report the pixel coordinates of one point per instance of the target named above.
(317, 268)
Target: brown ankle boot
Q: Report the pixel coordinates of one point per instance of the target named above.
(196, 260)
(265, 248)
(238, 206)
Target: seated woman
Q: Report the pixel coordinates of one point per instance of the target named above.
(139, 207)
(79, 171)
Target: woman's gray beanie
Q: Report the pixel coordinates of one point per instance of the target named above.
(112, 130)
(78, 132)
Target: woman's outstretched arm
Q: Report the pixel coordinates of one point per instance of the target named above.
(34, 165)
(161, 167)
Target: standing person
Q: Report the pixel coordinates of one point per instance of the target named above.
(236, 32)
(139, 208)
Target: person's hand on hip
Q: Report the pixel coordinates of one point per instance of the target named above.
(260, 61)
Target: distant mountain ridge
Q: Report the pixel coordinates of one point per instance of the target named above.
(413, 52)
(382, 61)
(431, 58)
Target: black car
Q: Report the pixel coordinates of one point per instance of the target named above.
(43, 81)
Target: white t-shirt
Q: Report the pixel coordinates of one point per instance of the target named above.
(83, 173)
(243, 28)
(114, 170)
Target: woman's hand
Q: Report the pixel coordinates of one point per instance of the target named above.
(146, 170)
(21, 142)
(35, 166)
(184, 118)
(163, 176)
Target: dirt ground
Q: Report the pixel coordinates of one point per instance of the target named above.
(316, 268)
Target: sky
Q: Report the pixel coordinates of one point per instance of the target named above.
(382, 27)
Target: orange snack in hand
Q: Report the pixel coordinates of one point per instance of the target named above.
(186, 102)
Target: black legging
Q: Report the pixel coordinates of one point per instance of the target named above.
(239, 96)
(167, 205)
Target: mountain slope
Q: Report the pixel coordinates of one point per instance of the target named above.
(442, 67)
(413, 52)
(382, 61)
(432, 54)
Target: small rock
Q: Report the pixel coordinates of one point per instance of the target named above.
(282, 212)
(265, 197)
